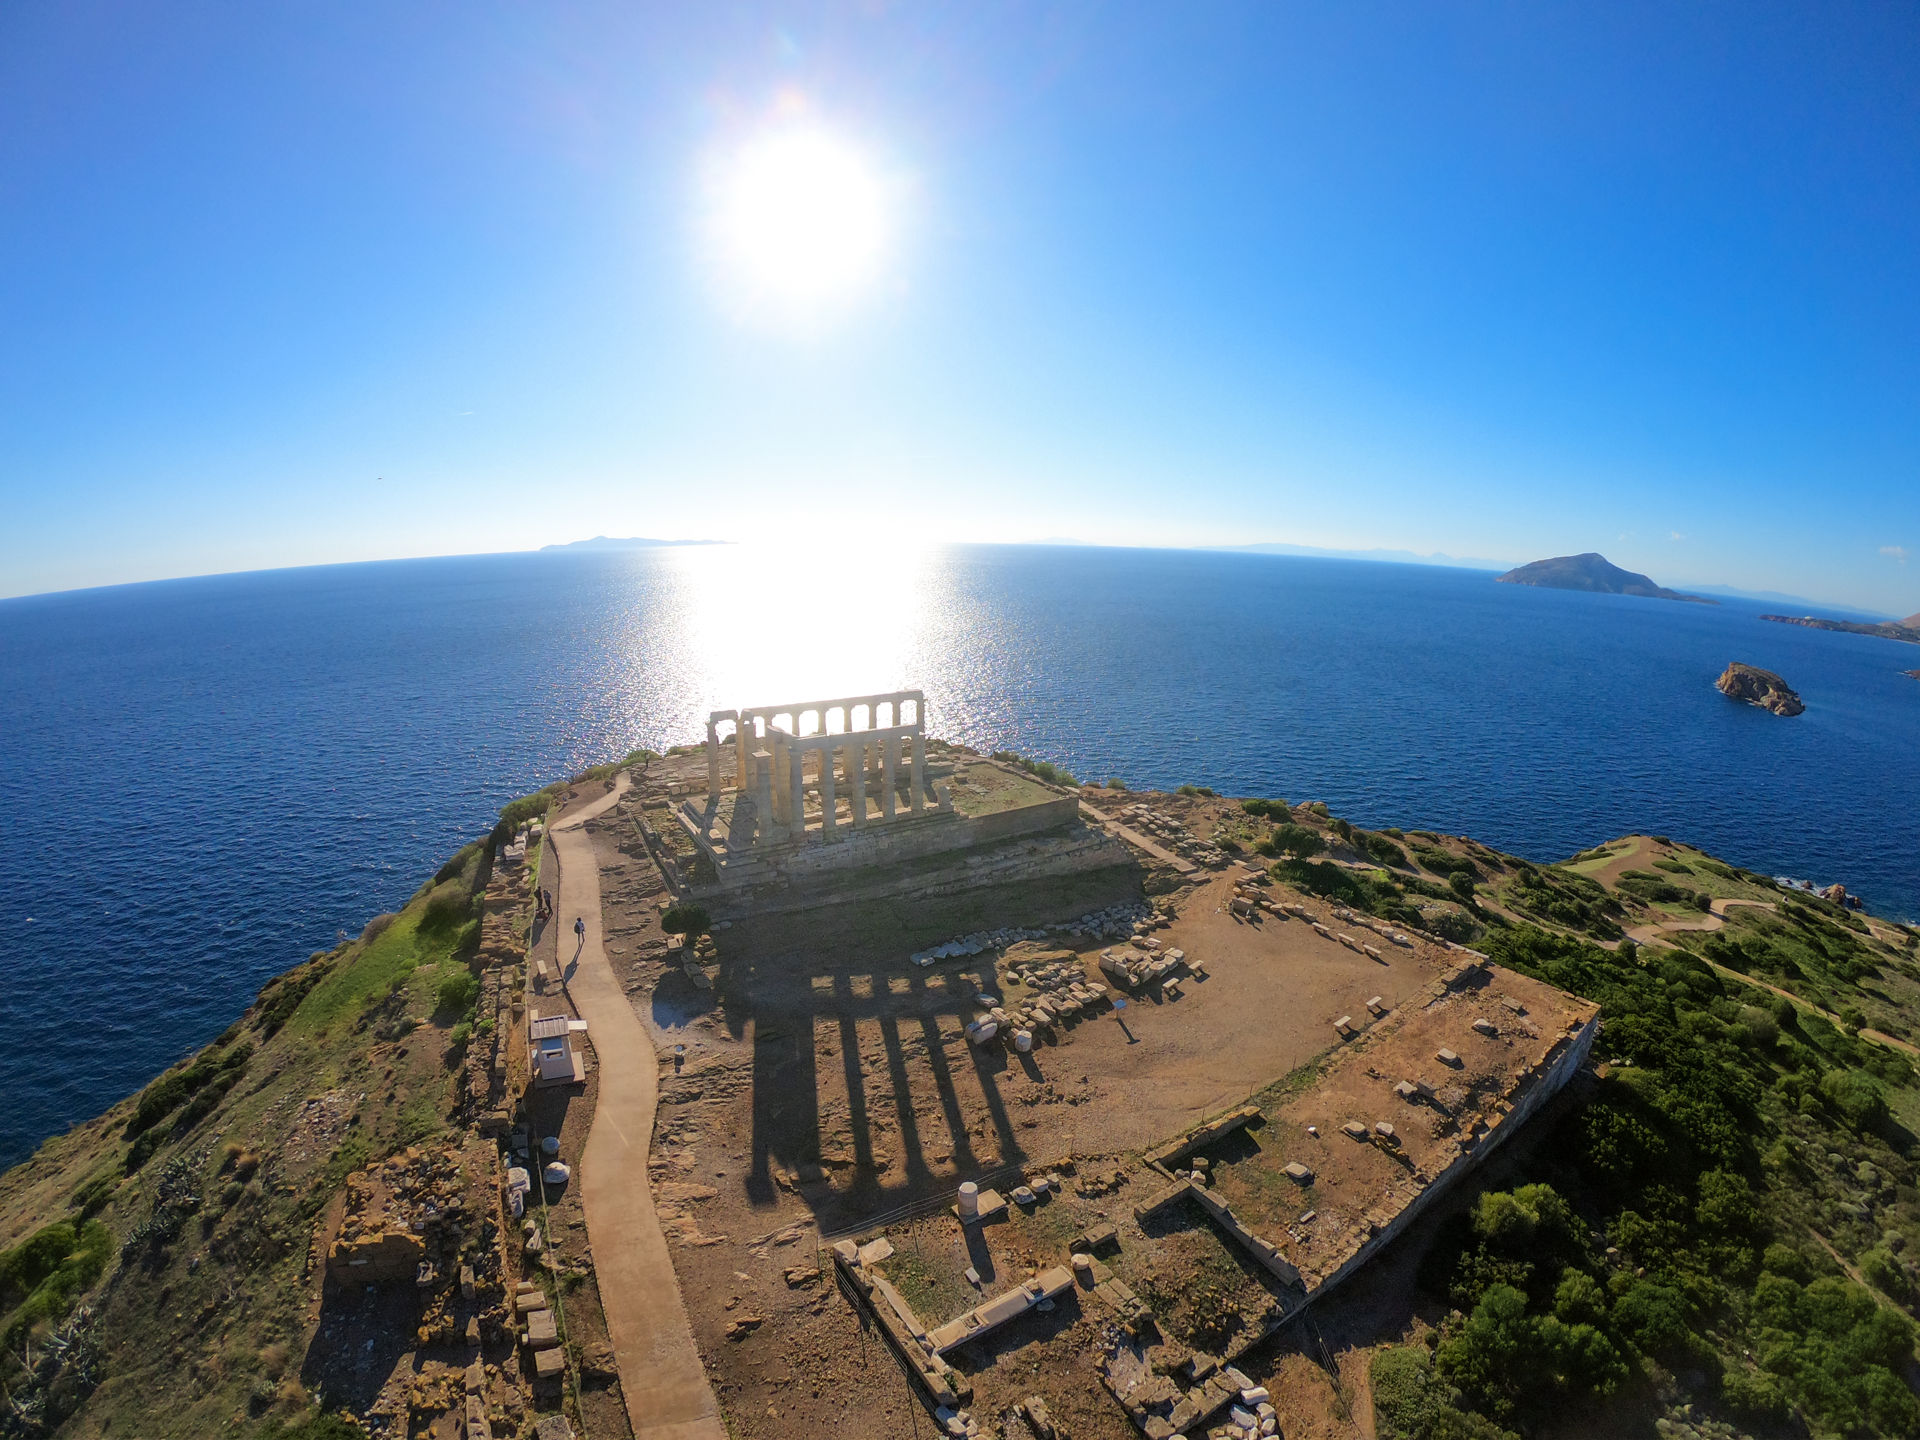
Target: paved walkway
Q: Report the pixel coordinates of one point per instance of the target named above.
(666, 1388)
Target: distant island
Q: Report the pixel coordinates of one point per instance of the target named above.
(1907, 629)
(1753, 686)
(1595, 573)
(608, 542)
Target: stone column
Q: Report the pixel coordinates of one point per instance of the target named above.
(889, 763)
(742, 770)
(763, 796)
(918, 784)
(796, 792)
(829, 822)
(857, 782)
(713, 763)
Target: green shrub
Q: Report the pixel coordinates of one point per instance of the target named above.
(1114, 782)
(42, 1276)
(1461, 883)
(1385, 851)
(1277, 810)
(1411, 1403)
(316, 1425)
(1856, 1096)
(1042, 769)
(456, 992)
(449, 906)
(1297, 841)
(1506, 1360)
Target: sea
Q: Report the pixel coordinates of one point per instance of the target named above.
(209, 779)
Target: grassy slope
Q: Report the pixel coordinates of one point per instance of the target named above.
(206, 1308)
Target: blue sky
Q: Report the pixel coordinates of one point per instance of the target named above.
(318, 282)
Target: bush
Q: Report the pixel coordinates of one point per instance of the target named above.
(1114, 782)
(1411, 1403)
(1297, 841)
(449, 906)
(1042, 769)
(1271, 809)
(1857, 1098)
(686, 918)
(1461, 883)
(456, 992)
(1503, 1358)
(1385, 851)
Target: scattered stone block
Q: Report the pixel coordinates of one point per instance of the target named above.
(1299, 1173)
(528, 1303)
(1447, 1057)
(1486, 1027)
(1355, 1129)
(1385, 1132)
(874, 1251)
(549, 1365)
(1377, 1005)
(1405, 1090)
(543, 1331)
(1096, 1239)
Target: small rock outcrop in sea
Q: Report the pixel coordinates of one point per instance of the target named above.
(1759, 687)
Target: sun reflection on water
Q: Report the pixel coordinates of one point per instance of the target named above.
(740, 625)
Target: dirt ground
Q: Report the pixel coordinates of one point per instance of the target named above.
(824, 1087)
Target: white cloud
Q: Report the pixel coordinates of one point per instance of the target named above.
(1678, 536)
(1895, 553)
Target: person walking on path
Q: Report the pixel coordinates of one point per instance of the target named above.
(580, 929)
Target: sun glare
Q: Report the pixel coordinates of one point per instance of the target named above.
(800, 220)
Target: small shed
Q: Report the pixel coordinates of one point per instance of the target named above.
(554, 1049)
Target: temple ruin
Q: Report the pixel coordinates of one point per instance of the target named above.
(808, 788)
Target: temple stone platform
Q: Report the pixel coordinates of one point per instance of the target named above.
(823, 791)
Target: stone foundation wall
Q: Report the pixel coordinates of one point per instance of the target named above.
(1071, 852)
(1561, 1067)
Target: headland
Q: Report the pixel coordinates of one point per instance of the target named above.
(826, 1078)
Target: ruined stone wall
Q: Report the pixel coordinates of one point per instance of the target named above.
(1069, 852)
(496, 1053)
(1562, 1065)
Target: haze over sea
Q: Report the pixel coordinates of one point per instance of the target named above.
(209, 779)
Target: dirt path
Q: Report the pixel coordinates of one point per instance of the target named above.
(1651, 934)
(666, 1389)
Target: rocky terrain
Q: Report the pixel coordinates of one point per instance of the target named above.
(1595, 573)
(1751, 684)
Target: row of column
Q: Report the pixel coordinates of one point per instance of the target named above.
(780, 780)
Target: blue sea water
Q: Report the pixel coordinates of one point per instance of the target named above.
(208, 779)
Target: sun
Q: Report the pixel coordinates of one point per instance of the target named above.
(800, 221)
